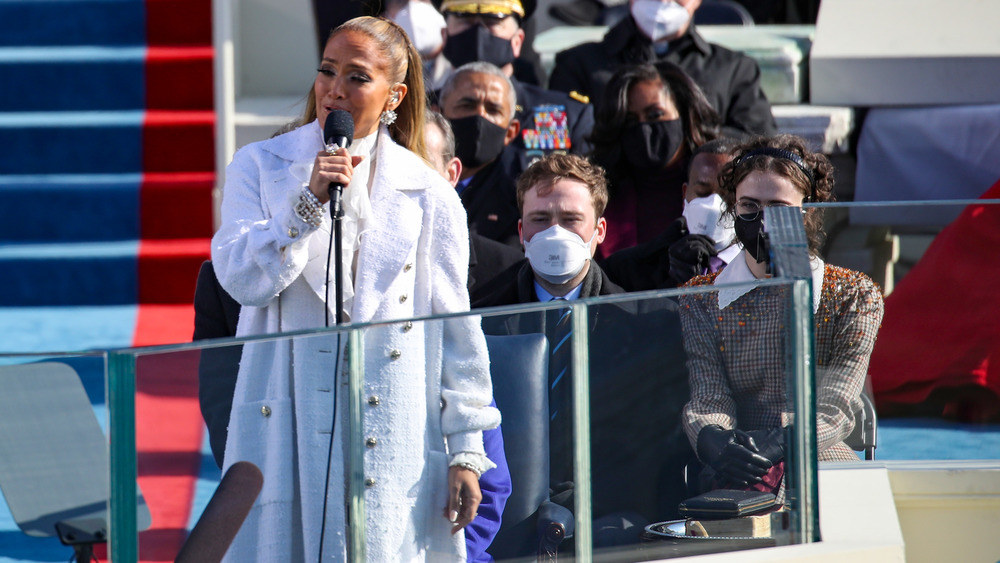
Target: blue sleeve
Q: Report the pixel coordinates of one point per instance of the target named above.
(496, 487)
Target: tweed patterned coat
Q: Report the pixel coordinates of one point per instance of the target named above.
(426, 385)
(737, 365)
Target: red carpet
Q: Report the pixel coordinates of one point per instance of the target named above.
(164, 324)
(178, 149)
(168, 270)
(178, 141)
(168, 440)
(166, 67)
(179, 22)
(168, 428)
(176, 205)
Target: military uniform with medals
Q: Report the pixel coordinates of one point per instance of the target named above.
(551, 121)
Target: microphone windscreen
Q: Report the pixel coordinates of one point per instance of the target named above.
(339, 126)
(223, 516)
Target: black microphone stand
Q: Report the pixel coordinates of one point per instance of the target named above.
(336, 192)
(338, 131)
(337, 215)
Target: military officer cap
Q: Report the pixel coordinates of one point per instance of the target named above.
(491, 8)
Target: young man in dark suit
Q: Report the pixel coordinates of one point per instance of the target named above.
(637, 372)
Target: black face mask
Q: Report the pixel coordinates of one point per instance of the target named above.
(477, 44)
(652, 145)
(750, 233)
(477, 140)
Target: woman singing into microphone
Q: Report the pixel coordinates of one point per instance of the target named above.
(405, 254)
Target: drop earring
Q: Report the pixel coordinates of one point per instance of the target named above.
(388, 116)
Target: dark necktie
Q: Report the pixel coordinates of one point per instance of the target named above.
(560, 332)
(560, 359)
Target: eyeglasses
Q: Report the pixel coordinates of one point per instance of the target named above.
(749, 210)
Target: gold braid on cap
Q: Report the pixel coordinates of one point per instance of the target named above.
(500, 7)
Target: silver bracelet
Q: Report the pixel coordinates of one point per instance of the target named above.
(309, 195)
(308, 208)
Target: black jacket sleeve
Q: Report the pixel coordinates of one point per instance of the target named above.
(568, 74)
(216, 314)
(749, 110)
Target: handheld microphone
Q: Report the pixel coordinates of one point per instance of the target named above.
(225, 513)
(338, 130)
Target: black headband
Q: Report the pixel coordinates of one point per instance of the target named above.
(784, 155)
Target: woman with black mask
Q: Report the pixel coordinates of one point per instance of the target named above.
(734, 337)
(649, 122)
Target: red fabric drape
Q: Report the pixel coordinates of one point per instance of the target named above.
(939, 345)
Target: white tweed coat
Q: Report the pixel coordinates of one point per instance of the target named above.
(427, 386)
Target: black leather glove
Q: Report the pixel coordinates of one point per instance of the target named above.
(689, 257)
(770, 443)
(732, 454)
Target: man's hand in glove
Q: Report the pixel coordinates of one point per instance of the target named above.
(689, 256)
(770, 443)
(732, 454)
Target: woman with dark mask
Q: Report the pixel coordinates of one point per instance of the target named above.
(735, 340)
(649, 122)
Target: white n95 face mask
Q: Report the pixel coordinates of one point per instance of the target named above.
(423, 24)
(704, 217)
(556, 254)
(659, 20)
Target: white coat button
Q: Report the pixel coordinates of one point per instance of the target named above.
(395, 354)
(402, 298)
(370, 482)
(371, 442)
(265, 410)
(407, 326)
(373, 401)
(408, 267)
(293, 232)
